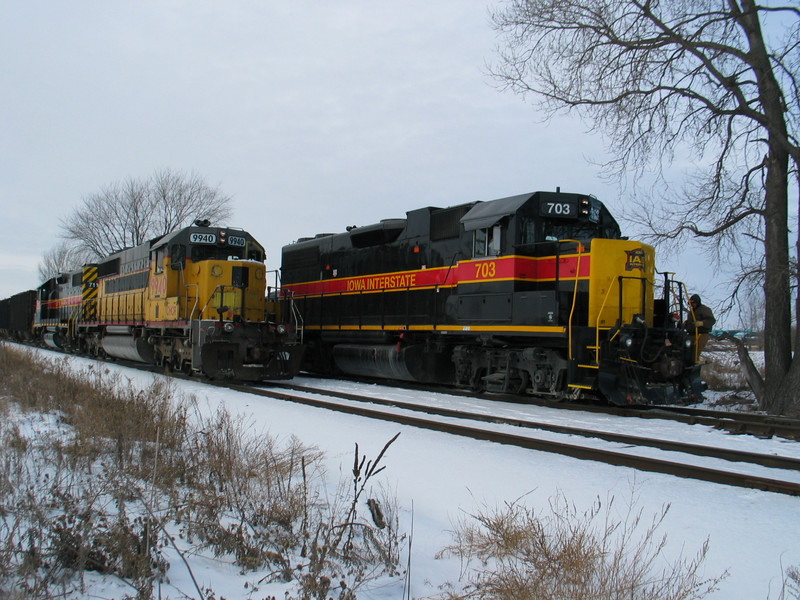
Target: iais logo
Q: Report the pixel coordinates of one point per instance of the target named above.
(635, 259)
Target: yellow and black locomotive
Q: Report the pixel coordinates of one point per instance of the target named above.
(194, 300)
(533, 294)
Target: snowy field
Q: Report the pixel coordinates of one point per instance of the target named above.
(439, 478)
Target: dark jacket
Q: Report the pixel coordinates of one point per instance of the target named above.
(704, 314)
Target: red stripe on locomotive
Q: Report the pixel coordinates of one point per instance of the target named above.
(500, 269)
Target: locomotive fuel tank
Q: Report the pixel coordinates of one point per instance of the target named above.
(394, 361)
(120, 343)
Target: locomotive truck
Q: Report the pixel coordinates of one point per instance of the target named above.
(535, 294)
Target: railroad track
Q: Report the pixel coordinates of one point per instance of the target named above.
(468, 424)
(759, 425)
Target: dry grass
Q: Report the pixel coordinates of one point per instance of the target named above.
(98, 475)
(724, 373)
(562, 553)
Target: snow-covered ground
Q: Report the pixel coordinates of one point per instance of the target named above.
(439, 478)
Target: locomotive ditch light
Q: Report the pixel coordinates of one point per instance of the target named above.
(281, 329)
(228, 327)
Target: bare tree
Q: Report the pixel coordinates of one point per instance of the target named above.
(692, 78)
(111, 219)
(179, 199)
(128, 213)
(63, 258)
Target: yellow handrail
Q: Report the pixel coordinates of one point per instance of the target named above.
(574, 292)
(597, 325)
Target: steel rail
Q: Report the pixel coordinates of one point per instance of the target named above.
(610, 457)
(764, 426)
(766, 460)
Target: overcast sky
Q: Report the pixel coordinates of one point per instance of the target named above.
(312, 115)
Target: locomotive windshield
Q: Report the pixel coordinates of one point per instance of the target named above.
(552, 231)
(201, 252)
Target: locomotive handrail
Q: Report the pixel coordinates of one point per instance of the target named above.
(620, 279)
(450, 268)
(696, 334)
(644, 282)
(298, 318)
(190, 315)
(579, 248)
(597, 325)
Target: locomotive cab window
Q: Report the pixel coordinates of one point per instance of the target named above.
(255, 252)
(178, 256)
(528, 230)
(487, 241)
(558, 230)
(160, 259)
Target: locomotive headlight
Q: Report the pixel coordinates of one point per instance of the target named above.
(228, 327)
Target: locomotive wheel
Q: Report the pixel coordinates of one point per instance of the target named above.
(478, 384)
(524, 379)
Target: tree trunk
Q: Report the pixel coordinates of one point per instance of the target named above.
(788, 394)
(778, 313)
(751, 373)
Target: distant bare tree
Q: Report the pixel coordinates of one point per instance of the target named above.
(752, 314)
(62, 258)
(129, 212)
(713, 83)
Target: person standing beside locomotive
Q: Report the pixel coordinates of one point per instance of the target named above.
(700, 322)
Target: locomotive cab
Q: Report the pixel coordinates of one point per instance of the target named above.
(215, 280)
(197, 271)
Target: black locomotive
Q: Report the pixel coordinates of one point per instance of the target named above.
(533, 294)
